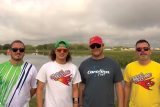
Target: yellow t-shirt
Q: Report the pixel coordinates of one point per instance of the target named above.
(145, 89)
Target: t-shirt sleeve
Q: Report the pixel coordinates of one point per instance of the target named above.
(33, 79)
(118, 76)
(126, 74)
(77, 77)
(82, 74)
(41, 76)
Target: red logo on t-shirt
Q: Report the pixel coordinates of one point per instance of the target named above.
(65, 80)
(146, 83)
(143, 80)
(62, 76)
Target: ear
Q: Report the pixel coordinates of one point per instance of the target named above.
(150, 52)
(103, 45)
(8, 52)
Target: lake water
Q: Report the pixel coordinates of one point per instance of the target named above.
(39, 60)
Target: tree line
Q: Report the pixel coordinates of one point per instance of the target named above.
(47, 47)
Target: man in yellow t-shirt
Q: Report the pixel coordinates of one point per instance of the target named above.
(142, 79)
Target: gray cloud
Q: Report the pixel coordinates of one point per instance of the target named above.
(120, 22)
(134, 14)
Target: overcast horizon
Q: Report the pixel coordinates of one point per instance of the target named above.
(118, 22)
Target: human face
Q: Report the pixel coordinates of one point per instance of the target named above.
(61, 53)
(17, 52)
(143, 51)
(96, 50)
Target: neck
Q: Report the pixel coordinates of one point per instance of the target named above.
(98, 57)
(14, 62)
(144, 62)
(61, 61)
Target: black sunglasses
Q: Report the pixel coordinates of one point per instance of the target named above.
(95, 45)
(16, 49)
(144, 48)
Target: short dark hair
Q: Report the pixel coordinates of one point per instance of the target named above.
(142, 41)
(16, 41)
(53, 55)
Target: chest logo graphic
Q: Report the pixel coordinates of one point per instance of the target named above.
(144, 80)
(62, 76)
(99, 72)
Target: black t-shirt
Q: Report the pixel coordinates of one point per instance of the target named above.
(99, 77)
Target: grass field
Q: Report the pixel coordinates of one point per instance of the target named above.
(33, 102)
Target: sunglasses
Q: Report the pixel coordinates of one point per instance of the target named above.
(62, 50)
(144, 48)
(95, 46)
(16, 49)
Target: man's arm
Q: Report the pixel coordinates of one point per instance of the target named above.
(33, 82)
(81, 94)
(127, 89)
(75, 95)
(33, 91)
(39, 94)
(120, 94)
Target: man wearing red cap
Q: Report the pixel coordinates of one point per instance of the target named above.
(99, 75)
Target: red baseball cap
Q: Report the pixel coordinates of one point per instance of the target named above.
(95, 39)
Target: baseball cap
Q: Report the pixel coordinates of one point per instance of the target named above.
(95, 39)
(62, 43)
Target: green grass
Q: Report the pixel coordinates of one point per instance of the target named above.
(32, 103)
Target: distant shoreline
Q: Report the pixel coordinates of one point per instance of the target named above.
(122, 57)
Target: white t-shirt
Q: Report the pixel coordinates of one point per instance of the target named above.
(58, 79)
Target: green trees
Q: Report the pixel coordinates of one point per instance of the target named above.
(5, 46)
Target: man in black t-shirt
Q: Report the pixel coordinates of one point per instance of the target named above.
(99, 75)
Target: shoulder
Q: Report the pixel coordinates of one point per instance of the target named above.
(86, 61)
(155, 63)
(131, 66)
(48, 64)
(29, 66)
(134, 63)
(110, 61)
(71, 64)
(4, 63)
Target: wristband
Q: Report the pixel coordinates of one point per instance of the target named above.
(76, 100)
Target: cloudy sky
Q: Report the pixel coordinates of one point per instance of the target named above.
(118, 22)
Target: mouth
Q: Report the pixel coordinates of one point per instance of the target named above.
(143, 54)
(62, 55)
(18, 54)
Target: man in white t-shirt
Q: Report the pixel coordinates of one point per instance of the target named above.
(60, 78)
